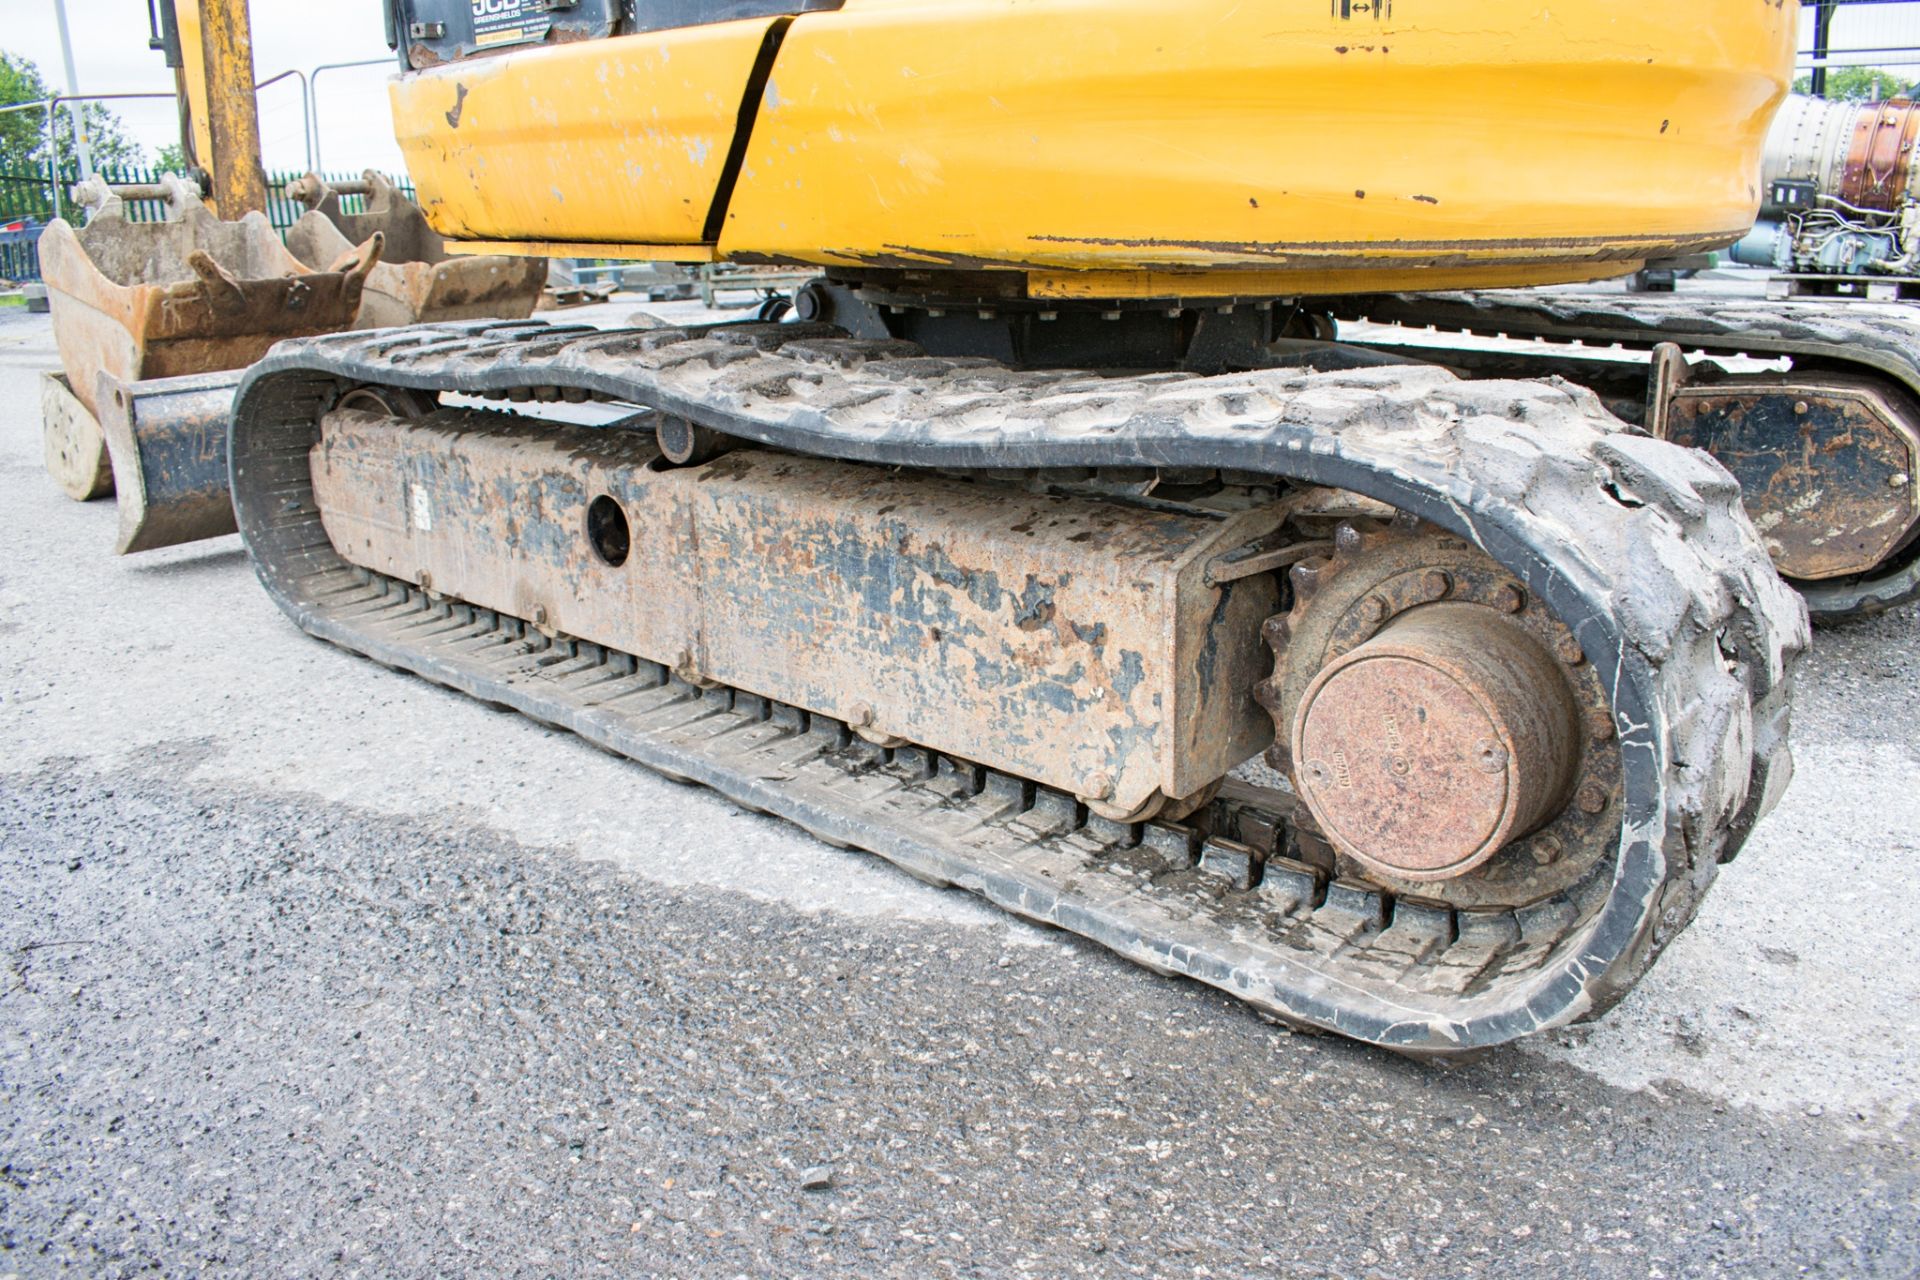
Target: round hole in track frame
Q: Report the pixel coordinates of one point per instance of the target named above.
(608, 532)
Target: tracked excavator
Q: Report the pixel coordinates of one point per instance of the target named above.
(1058, 546)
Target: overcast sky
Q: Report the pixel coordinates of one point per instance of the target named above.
(111, 56)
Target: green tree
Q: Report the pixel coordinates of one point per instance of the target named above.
(23, 134)
(1860, 84)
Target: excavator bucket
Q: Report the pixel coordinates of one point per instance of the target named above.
(416, 279)
(75, 450)
(140, 308)
(167, 438)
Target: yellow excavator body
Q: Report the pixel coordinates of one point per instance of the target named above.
(1123, 149)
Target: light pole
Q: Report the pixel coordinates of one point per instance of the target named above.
(79, 113)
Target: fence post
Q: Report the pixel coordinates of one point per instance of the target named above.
(53, 154)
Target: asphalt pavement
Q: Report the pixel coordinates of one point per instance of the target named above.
(312, 968)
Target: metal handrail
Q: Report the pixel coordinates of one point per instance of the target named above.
(306, 107)
(51, 104)
(313, 83)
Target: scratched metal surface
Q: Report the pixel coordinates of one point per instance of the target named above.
(1073, 641)
(168, 441)
(1826, 467)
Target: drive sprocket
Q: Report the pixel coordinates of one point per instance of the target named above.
(1415, 778)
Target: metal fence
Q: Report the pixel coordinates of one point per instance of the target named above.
(1838, 34)
(26, 206)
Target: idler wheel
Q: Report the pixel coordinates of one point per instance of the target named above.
(1426, 749)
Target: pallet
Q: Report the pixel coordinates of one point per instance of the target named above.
(1856, 288)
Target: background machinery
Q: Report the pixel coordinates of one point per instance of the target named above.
(154, 319)
(1057, 546)
(1840, 214)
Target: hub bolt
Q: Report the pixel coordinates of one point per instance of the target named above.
(1374, 610)
(861, 715)
(1568, 650)
(1592, 798)
(1510, 599)
(1437, 584)
(1099, 786)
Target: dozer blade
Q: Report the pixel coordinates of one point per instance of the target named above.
(168, 441)
(415, 280)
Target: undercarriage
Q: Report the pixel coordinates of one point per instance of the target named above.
(1414, 707)
(1823, 435)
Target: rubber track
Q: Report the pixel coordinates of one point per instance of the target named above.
(1638, 546)
(1872, 339)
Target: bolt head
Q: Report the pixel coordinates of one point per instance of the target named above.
(1374, 609)
(1545, 850)
(1592, 798)
(1510, 599)
(860, 715)
(1600, 726)
(1436, 584)
(1568, 650)
(1099, 786)
(539, 615)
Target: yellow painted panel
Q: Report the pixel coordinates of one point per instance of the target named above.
(587, 249)
(1095, 284)
(1143, 135)
(620, 140)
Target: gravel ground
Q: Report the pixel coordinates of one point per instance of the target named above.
(311, 968)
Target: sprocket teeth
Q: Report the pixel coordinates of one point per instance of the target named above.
(1276, 631)
(1348, 542)
(1280, 758)
(1306, 578)
(1267, 694)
